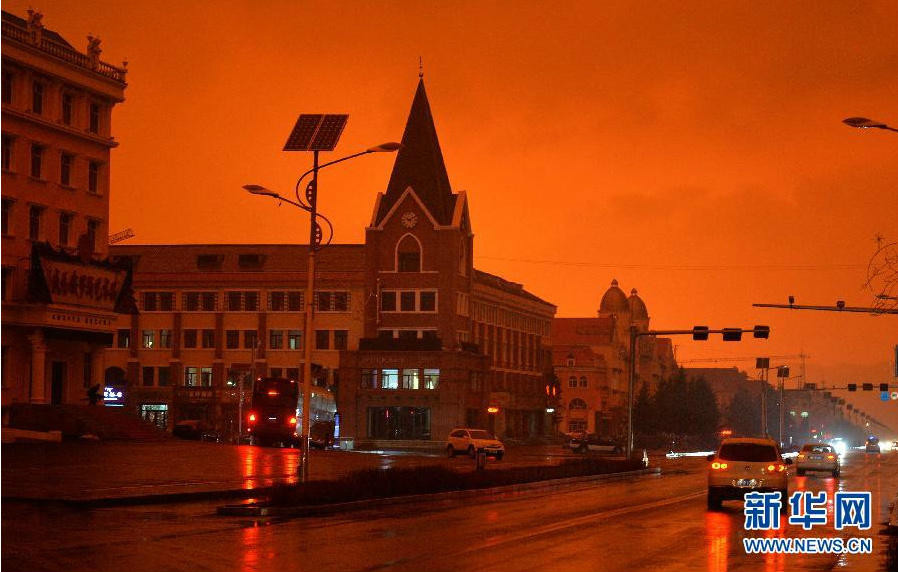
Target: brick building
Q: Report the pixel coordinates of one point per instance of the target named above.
(412, 338)
(591, 358)
(212, 316)
(60, 298)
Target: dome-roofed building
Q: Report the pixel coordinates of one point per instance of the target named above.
(614, 301)
(601, 381)
(638, 311)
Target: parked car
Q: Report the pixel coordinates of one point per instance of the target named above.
(321, 435)
(194, 430)
(872, 445)
(744, 465)
(468, 441)
(817, 457)
(592, 443)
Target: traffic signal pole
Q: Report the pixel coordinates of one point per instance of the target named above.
(698, 333)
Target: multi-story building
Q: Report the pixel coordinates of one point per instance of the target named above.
(591, 360)
(59, 296)
(411, 337)
(214, 316)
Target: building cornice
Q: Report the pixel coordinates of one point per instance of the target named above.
(108, 142)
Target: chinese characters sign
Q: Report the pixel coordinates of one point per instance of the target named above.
(82, 285)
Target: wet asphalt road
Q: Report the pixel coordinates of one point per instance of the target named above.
(650, 523)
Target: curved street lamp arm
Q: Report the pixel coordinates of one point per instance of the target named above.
(288, 201)
(330, 228)
(323, 165)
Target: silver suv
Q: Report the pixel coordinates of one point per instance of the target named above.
(468, 441)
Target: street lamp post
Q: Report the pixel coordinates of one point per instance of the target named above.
(310, 205)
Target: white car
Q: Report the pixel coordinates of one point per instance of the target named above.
(817, 457)
(468, 441)
(744, 465)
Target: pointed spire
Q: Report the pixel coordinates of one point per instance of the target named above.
(419, 164)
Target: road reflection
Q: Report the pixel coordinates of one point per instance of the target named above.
(261, 467)
(717, 529)
(250, 542)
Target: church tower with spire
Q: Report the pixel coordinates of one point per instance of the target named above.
(444, 345)
(419, 244)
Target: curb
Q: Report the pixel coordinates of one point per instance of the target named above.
(328, 509)
(164, 498)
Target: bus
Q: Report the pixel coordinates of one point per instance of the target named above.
(275, 413)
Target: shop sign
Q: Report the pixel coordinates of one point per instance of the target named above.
(113, 396)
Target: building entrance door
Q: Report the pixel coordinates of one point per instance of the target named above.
(57, 382)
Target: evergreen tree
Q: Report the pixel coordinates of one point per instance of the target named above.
(743, 413)
(643, 412)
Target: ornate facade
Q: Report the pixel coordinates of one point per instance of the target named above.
(591, 360)
(60, 299)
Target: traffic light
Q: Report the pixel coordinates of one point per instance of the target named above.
(868, 387)
(883, 387)
(852, 387)
(700, 333)
(762, 332)
(730, 334)
(782, 371)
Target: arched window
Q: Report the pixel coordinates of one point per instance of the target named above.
(583, 382)
(572, 381)
(577, 403)
(408, 254)
(570, 360)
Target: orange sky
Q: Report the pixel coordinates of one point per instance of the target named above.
(691, 150)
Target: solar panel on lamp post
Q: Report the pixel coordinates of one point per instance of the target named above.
(313, 133)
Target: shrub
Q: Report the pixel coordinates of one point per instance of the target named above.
(394, 482)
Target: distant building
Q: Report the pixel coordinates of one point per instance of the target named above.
(725, 382)
(591, 357)
(59, 298)
(411, 337)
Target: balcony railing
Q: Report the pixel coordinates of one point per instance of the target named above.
(65, 53)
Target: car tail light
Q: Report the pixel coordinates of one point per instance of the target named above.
(293, 421)
(801, 455)
(718, 466)
(252, 417)
(780, 468)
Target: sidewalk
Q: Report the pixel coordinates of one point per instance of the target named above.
(88, 471)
